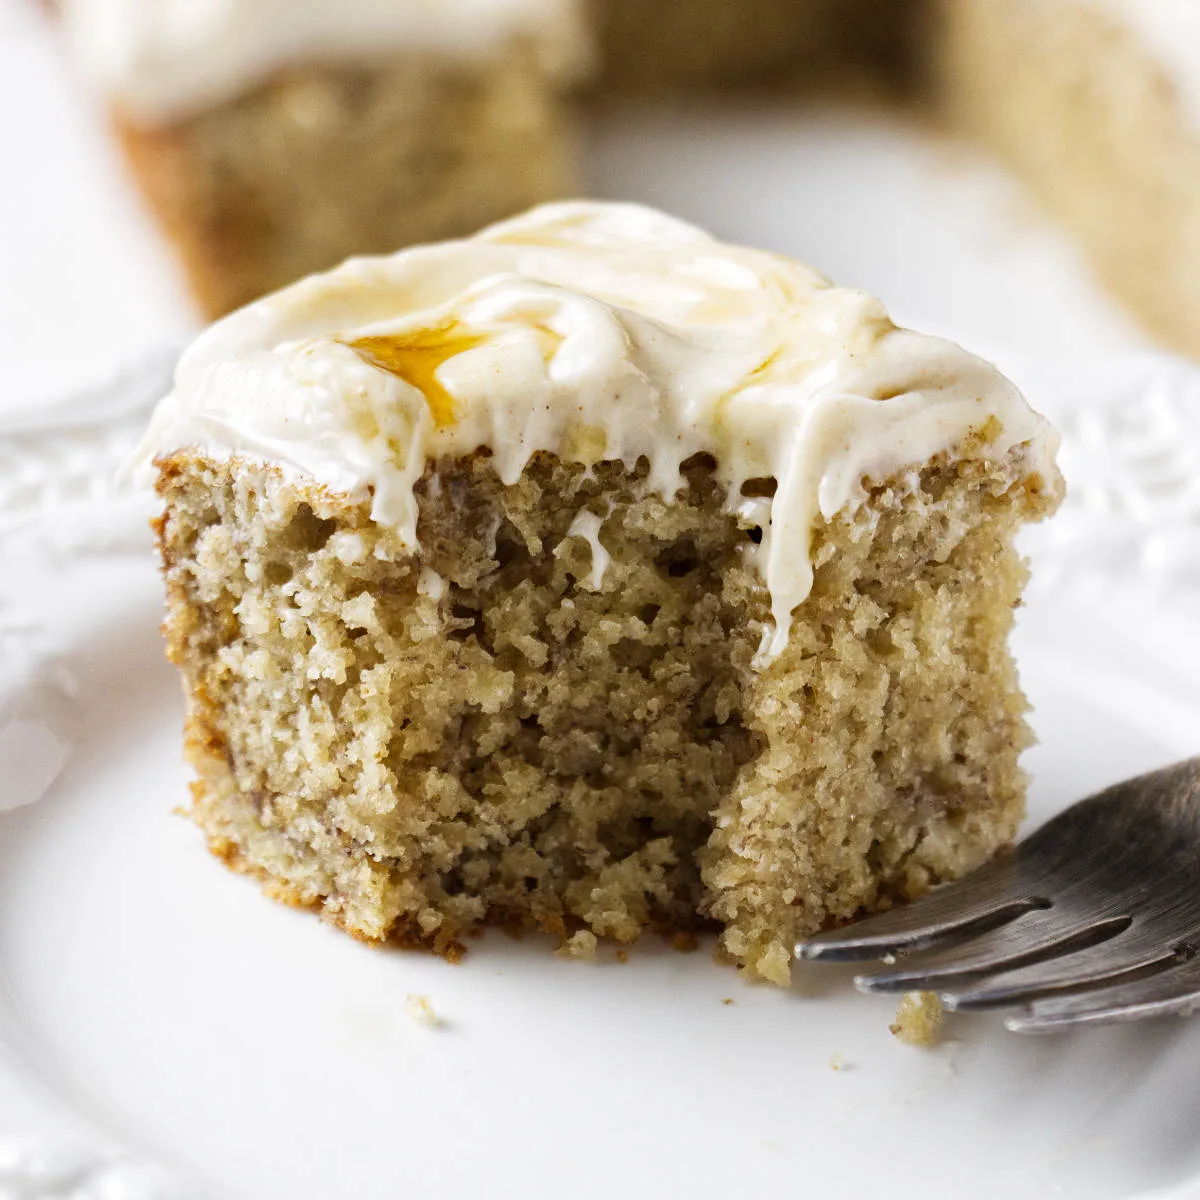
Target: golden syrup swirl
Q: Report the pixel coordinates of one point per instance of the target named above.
(415, 357)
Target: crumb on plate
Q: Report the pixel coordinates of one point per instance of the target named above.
(581, 946)
(919, 1019)
(421, 1010)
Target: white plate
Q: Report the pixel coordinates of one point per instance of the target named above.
(158, 1009)
(165, 1031)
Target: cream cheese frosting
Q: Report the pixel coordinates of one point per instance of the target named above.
(1170, 31)
(164, 59)
(595, 331)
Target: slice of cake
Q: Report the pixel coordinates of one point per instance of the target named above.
(273, 140)
(1097, 104)
(592, 574)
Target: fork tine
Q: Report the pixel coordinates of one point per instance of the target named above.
(991, 897)
(1038, 936)
(875, 938)
(1115, 960)
(1176, 990)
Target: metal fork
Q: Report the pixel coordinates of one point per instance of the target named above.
(1094, 918)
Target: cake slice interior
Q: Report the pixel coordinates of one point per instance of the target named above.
(552, 716)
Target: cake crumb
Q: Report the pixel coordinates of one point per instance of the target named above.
(838, 1063)
(727, 1000)
(581, 946)
(684, 942)
(622, 956)
(919, 1019)
(422, 1011)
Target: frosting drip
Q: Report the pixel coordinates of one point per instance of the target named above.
(164, 59)
(596, 332)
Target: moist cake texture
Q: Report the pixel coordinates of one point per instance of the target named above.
(594, 575)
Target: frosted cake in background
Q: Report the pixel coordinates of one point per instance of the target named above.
(273, 138)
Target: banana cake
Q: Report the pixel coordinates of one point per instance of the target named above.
(592, 574)
(272, 139)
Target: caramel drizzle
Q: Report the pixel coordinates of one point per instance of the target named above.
(415, 357)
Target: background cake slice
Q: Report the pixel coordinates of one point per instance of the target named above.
(676, 46)
(1096, 103)
(593, 574)
(275, 141)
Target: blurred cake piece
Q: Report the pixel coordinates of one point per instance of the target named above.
(1096, 103)
(594, 574)
(655, 47)
(274, 138)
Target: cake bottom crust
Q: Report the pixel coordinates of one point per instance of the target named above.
(298, 878)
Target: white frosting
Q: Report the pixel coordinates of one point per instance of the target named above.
(594, 331)
(1170, 31)
(587, 525)
(161, 59)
